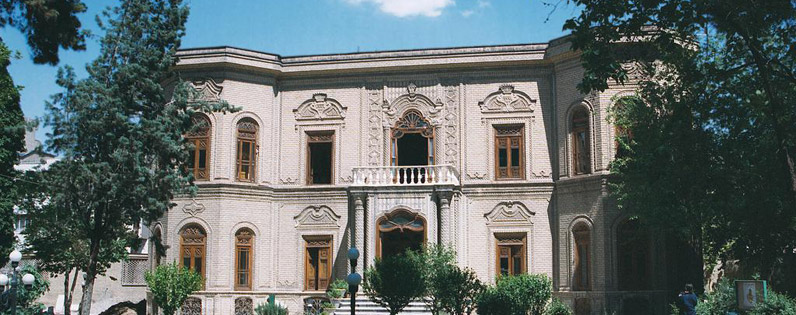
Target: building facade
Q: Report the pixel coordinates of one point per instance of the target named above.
(490, 150)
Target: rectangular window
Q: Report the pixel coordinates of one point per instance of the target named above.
(511, 254)
(245, 159)
(509, 162)
(243, 262)
(320, 152)
(317, 263)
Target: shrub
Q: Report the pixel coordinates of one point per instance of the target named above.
(456, 289)
(521, 294)
(393, 282)
(556, 307)
(528, 293)
(775, 303)
(720, 301)
(433, 261)
(26, 298)
(270, 309)
(493, 302)
(171, 284)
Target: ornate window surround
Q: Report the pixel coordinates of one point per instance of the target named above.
(507, 100)
(509, 227)
(490, 123)
(244, 237)
(320, 108)
(304, 132)
(207, 135)
(232, 135)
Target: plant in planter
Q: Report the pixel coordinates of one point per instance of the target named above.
(328, 308)
(336, 291)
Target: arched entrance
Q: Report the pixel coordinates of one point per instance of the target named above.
(398, 231)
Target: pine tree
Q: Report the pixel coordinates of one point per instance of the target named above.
(120, 133)
(48, 26)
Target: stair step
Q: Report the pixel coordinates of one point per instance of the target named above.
(367, 307)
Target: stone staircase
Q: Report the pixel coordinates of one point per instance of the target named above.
(368, 307)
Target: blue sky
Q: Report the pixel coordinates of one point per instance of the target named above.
(307, 27)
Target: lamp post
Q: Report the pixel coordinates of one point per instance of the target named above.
(10, 296)
(353, 278)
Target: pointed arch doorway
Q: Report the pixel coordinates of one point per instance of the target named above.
(398, 231)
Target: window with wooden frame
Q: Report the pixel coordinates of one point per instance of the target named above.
(581, 155)
(246, 150)
(317, 262)
(320, 157)
(193, 240)
(198, 138)
(244, 239)
(511, 254)
(581, 235)
(509, 161)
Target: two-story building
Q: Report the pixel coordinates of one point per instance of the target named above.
(490, 150)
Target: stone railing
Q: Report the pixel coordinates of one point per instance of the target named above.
(406, 175)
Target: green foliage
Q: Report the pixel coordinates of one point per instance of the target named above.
(494, 302)
(711, 158)
(270, 309)
(120, 132)
(556, 307)
(720, 301)
(776, 304)
(12, 133)
(337, 289)
(27, 297)
(433, 261)
(48, 25)
(171, 284)
(394, 281)
(521, 294)
(457, 289)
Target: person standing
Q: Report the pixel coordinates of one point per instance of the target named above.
(688, 300)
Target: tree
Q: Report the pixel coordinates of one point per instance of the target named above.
(433, 261)
(711, 158)
(393, 282)
(11, 136)
(457, 290)
(120, 133)
(171, 284)
(520, 294)
(448, 287)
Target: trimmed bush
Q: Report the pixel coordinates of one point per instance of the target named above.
(393, 282)
(776, 303)
(270, 309)
(556, 307)
(171, 284)
(521, 294)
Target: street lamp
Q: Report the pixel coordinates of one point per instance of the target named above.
(354, 278)
(9, 297)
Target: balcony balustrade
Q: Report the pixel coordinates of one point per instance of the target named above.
(420, 175)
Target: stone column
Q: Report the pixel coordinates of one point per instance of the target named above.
(358, 230)
(445, 214)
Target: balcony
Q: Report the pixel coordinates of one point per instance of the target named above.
(421, 175)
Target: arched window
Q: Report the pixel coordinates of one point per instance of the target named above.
(246, 150)
(199, 155)
(581, 236)
(193, 240)
(633, 249)
(243, 259)
(581, 155)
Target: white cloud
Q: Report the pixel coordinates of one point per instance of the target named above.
(406, 8)
(484, 4)
(467, 13)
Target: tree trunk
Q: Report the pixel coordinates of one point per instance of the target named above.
(69, 292)
(91, 274)
(67, 296)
